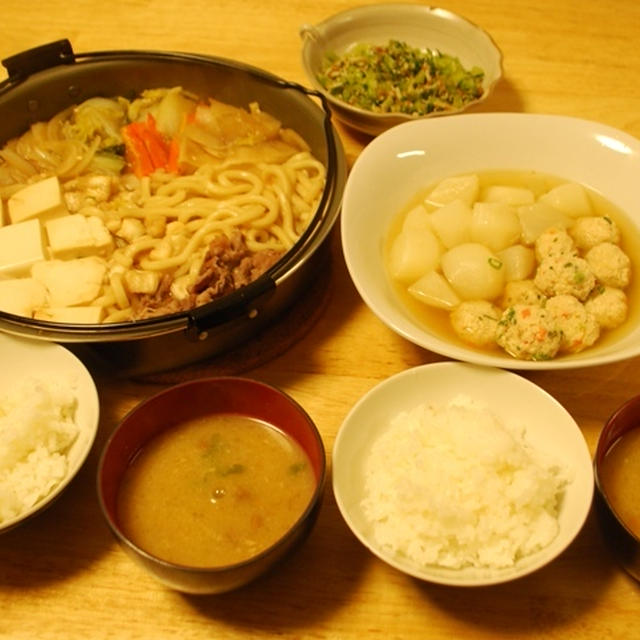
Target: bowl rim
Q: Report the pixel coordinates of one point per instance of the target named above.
(316, 35)
(394, 143)
(497, 377)
(289, 534)
(610, 433)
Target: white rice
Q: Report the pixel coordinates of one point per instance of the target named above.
(37, 429)
(453, 487)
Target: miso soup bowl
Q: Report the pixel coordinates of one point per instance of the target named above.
(623, 543)
(193, 399)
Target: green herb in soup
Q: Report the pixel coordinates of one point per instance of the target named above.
(398, 78)
(214, 491)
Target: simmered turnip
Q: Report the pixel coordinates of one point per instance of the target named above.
(474, 271)
(508, 194)
(518, 262)
(434, 290)
(518, 244)
(463, 188)
(495, 225)
(417, 219)
(538, 217)
(413, 253)
(452, 223)
(570, 198)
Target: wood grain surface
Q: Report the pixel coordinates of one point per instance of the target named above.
(63, 576)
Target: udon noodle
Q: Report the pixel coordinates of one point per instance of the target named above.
(198, 197)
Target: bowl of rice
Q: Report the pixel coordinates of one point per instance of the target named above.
(49, 412)
(383, 64)
(443, 473)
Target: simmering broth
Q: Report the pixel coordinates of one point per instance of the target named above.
(214, 491)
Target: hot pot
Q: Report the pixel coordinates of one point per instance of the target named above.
(45, 80)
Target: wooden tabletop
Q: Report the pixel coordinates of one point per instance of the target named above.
(63, 576)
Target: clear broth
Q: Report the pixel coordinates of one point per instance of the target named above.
(436, 321)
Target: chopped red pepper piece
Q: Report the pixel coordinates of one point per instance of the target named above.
(146, 149)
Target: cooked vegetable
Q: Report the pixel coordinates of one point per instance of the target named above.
(473, 271)
(495, 225)
(146, 149)
(413, 254)
(433, 289)
(398, 78)
(452, 223)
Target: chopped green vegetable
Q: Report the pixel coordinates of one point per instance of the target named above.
(397, 78)
(296, 468)
(234, 468)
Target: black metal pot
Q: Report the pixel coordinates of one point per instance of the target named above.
(45, 80)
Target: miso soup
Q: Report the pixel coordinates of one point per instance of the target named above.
(214, 491)
(620, 479)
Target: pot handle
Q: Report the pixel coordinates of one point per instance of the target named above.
(245, 302)
(22, 65)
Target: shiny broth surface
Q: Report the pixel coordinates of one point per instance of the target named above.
(214, 491)
(620, 478)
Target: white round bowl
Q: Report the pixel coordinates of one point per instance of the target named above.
(398, 164)
(25, 359)
(417, 25)
(549, 430)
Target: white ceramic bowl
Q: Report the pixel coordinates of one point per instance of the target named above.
(417, 25)
(398, 164)
(549, 430)
(39, 360)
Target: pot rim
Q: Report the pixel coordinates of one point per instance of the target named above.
(241, 303)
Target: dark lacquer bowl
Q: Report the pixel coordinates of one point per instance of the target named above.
(208, 397)
(623, 542)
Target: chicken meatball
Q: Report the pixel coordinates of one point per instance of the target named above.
(609, 306)
(475, 321)
(589, 231)
(579, 327)
(528, 332)
(522, 292)
(610, 265)
(565, 275)
(554, 243)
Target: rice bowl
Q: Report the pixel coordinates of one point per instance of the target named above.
(58, 425)
(551, 432)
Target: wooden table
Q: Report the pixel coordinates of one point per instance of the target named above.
(63, 576)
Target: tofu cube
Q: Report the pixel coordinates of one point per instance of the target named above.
(21, 245)
(21, 296)
(41, 199)
(71, 282)
(76, 236)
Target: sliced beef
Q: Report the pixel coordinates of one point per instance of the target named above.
(229, 265)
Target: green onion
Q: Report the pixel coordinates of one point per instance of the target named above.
(397, 78)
